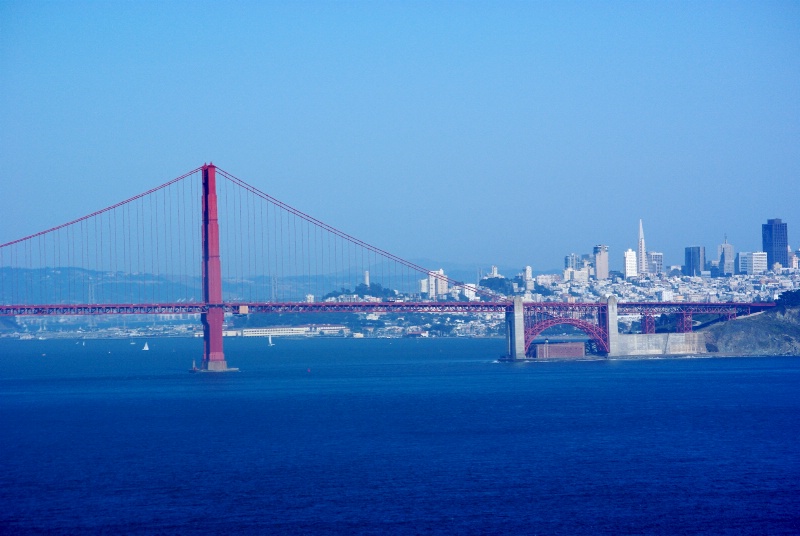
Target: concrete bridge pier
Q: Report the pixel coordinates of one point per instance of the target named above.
(613, 326)
(515, 331)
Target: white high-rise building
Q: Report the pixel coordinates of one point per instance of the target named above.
(760, 265)
(641, 253)
(470, 292)
(530, 284)
(752, 263)
(528, 273)
(630, 263)
(437, 284)
(601, 261)
(442, 287)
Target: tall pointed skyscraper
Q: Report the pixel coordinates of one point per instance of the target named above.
(641, 253)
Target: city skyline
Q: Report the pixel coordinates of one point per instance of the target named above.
(643, 265)
(416, 128)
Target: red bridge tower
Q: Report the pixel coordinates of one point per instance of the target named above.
(213, 356)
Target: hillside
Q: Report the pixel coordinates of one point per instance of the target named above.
(775, 332)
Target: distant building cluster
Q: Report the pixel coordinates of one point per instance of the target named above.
(726, 276)
(776, 256)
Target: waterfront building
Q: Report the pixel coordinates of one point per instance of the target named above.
(630, 264)
(655, 262)
(775, 242)
(641, 253)
(694, 260)
(601, 262)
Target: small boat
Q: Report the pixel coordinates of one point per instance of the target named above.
(270, 341)
(145, 347)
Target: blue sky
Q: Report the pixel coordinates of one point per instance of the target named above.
(480, 133)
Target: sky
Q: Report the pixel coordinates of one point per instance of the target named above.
(479, 133)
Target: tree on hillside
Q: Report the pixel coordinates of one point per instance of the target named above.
(789, 298)
(373, 289)
(501, 285)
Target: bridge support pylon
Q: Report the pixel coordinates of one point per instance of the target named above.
(612, 326)
(213, 355)
(515, 331)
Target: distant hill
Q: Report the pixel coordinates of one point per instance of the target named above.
(774, 332)
(468, 273)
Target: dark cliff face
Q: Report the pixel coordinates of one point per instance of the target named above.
(774, 332)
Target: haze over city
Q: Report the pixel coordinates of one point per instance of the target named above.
(508, 133)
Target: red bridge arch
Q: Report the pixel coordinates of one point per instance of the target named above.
(595, 332)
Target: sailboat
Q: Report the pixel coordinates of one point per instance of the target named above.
(145, 347)
(270, 341)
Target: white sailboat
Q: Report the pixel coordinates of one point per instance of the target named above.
(145, 347)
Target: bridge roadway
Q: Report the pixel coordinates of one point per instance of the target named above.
(524, 321)
(551, 309)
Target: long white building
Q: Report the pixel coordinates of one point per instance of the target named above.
(630, 264)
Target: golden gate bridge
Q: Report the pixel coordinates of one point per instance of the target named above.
(209, 243)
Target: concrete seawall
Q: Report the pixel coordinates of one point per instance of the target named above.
(660, 344)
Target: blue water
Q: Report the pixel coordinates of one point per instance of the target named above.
(392, 436)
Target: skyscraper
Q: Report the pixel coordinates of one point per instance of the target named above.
(641, 253)
(571, 261)
(530, 284)
(630, 263)
(725, 257)
(655, 262)
(601, 261)
(437, 286)
(695, 260)
(752, 263)
(775, 242)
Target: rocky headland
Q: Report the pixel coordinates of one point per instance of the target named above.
(774, 332)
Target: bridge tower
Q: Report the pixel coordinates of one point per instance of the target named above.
(515, 330)
(612, 326)
(213, 356)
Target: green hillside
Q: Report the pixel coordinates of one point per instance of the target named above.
(774, 332)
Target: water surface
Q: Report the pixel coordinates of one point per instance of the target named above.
(403, 436)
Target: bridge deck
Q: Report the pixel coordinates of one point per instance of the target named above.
(555, 309)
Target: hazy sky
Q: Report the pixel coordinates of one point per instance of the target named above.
(510, 133)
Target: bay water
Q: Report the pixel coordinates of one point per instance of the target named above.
(403, 436)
